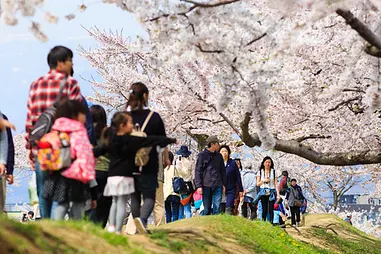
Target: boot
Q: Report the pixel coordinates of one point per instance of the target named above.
(229, 211)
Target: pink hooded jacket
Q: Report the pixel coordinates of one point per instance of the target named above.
(83, 166)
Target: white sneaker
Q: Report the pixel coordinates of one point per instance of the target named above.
(139, 226)
(298, 224)
(111, 229)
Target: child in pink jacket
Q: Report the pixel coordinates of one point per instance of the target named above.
(71, 185)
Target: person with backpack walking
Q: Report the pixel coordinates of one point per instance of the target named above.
(42, 95)
(184, 167)
(284, 184)
(249, 182)
(172, 199)
(233, 179)
(210, 176)
(295, 200)
(70, 173)
(268, 192)
(146, 176)
(122, 151)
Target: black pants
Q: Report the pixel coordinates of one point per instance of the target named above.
(103, 203)
(295, 212)
(103, 210)
(267, 207)
(253, 210)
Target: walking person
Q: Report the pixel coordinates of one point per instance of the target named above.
(185, 169)
(146, 177)
(122, 151)
(43, 93)
(295, 200)
(210, 176)
(99, 117)
(269, 192)
(68, 187)
(6, 175)
(172, 199)
(233, 179)
(159, 207)
(249, 182)
(3, 166)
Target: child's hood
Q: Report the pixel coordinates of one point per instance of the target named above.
(67, 125)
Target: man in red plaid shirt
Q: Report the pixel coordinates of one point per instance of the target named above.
(43, 93)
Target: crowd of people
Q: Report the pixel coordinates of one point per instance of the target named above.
(85, 167)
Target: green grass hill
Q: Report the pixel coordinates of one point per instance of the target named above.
(212, 234)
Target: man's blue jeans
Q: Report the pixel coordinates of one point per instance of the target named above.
(46, 206)
(211, 198)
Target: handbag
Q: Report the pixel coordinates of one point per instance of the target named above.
(298, 203)
(186, 200)
(178, 185)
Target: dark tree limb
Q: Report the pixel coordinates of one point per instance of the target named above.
(356, 90)
(301, 139)
(210, 5)
(256, 39)
(361, 29)
(344, 103)
(306, 152)
(207, 50)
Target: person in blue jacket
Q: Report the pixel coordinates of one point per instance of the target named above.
(7, 159)
(233, 179)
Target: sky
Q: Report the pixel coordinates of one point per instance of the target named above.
(23, 58)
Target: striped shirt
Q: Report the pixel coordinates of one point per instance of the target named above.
(43, 93)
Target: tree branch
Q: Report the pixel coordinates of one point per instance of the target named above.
(209, 120)
(256, 39)
(245, 135)
(210, 5)
(358, 90)
(301, 139)
(360, 27)
(344, 103)
(208, 51)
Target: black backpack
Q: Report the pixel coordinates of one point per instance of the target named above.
(46, 119)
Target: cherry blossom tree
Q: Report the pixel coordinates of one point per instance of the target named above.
(294, 76)
(300, 80)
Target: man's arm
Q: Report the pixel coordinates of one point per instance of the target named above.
(198, 172)
(74, 90)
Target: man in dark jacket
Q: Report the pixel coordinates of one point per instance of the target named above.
(210, 176)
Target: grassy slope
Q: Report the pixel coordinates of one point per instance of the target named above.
(213, 234)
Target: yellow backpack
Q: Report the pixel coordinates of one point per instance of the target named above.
(142, 155)
(54, 151)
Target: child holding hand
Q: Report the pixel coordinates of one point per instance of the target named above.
(122, 149)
